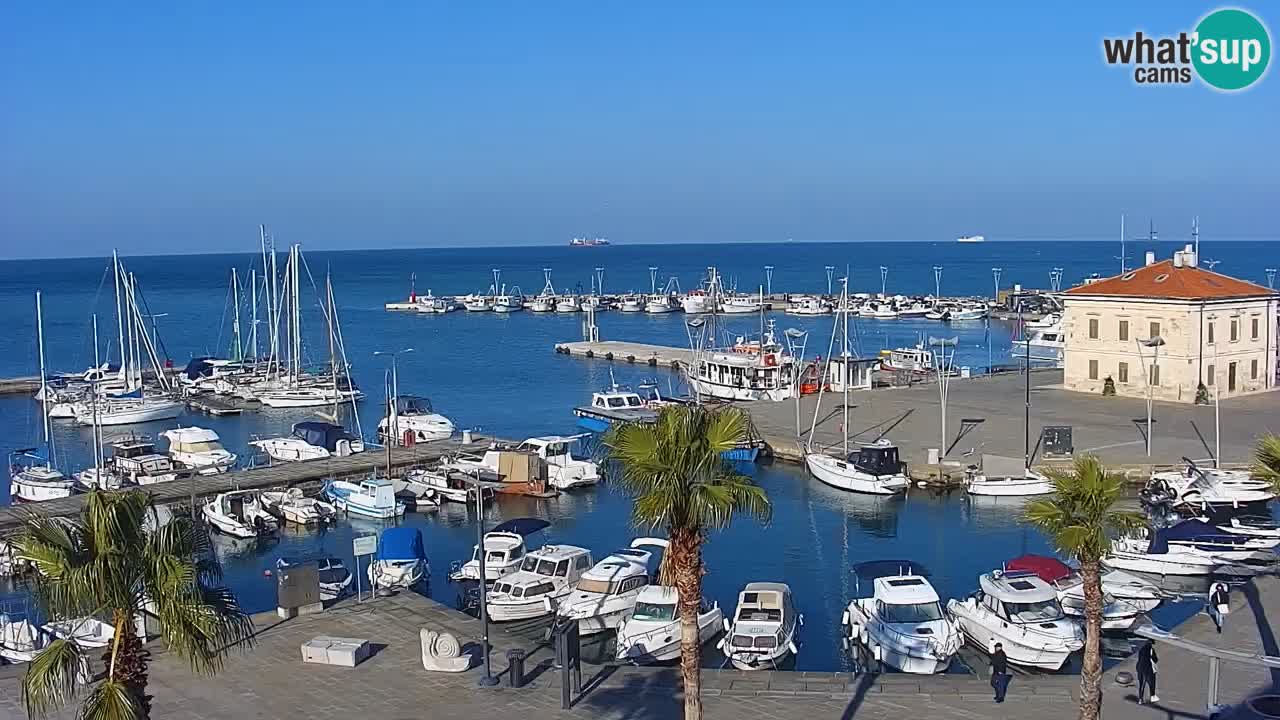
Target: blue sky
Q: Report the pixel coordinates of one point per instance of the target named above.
(156, 128)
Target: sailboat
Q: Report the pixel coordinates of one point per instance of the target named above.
(875, 468)
(34, 477)
(133, 404)
(1030, 482)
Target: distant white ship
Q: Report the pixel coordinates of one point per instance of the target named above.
(588, 242)
(971, 239)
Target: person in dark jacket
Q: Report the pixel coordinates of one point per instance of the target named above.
(1000, 676)
(1147, 667)
(1219, 600)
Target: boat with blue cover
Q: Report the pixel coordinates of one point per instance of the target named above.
(401, 561)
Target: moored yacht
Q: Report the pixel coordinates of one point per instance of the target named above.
(1194, 486)
(414, 420)
(607, 592)
(763, 631)
(651, 633)
(239, 514)
(900, 620)
(874, 469)
(1125, 597)
(545, 576)
(311, 440)
(199, 449)
(34, 479)
(1021, 612)
(504, 550)
(128, 409)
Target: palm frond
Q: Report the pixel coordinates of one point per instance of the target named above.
(1267, 458)
(1081, 518)
(51, 678)
(111, 700)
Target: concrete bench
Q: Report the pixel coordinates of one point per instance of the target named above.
(342, 652)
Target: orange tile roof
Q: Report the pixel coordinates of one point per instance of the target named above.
(1163, 280)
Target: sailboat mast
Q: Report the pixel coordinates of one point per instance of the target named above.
(844, 357)
(253, 313)
(297, 318)
(93, 398)
(333, 358)
(115, 266)
(235, 321)
(44, 389)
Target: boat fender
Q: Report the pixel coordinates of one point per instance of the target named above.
(844, 619)
(877, 653)
(792, 647)
(590, 353)
(675, 364)
(631, 359)
(863, 637)
(800, 619)
(653, 362)
(608, 356)
(728, 627)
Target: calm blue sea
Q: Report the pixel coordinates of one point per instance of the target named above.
(498, 374)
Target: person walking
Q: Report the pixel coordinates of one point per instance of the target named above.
(1000, 676)
(1148, 666)
(1219, 604)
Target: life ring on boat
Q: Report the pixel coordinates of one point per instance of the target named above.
(770, 360)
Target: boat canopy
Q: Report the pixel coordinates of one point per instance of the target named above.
(522, 526)
(321, 434)
(1048, 569)
(1193, 530)
(413, 405)
(187, 435)
(878, 459)
(401, 543)
(1016, 587)
(198, 367)
(135, 394)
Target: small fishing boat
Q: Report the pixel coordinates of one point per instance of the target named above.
(401, 561)
(807, 305)
(661, 304)
(546, 575)
(1021, 612)
(292, 506)
(742, 304)
(239, 514)
(568, 304)
(763, 631)
(374, 497)
(1029, 483)
(86, 632)
(20, 641)
(508, 302)
(631, 303)
(311, 440)
(199, 449)
(504, 550)
(439, 484)
(615, 405)
(546, 300)
(651, 633)
(477, 303)
(899, 619)
(609, 590)
(697, 302)
(433, 305)
(917, 360)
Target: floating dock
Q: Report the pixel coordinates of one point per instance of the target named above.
(269, 476)
(628, 352)
(19, 386)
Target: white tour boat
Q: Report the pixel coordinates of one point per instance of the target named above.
(651, 633)
(199, 449)
(763, 631)
(1020, 611)
(900, 621)
(607, 592)
(239, 514)
(374, 497)
(546, 574)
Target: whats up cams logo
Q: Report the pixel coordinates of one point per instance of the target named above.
(1229, 50)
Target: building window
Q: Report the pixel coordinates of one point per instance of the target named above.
(1155, 330)
(1124, 331)
(1231, 377)
(1253, 369)
(1209, 380)
(1154, 374)
(1210, 333)
(1093, 369)
(1255, 328)
(1093, 328)
(1122, 372)
(1235, 330)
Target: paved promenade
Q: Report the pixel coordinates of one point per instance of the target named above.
(269, 680)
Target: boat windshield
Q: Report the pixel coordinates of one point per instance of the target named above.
(654, 611)
(198, 447)
(917, 613)
(603, 587)
(1034, 611)
(533, 565)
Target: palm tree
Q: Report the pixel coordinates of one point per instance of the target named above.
(679, 480)
(1080, 520)
(117, 560)
(1267, 458)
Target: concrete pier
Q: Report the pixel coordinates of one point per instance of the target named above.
(628, 352)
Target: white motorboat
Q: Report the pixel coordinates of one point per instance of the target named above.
(900, 621)
(333, 574)
(508, 302)
(763, 631)
(401, 561)
(374, 497)
(915, 309)
(879, 311)
(1125, 598)
(1046, 343)
(86, 632)
(98, 479)
(1250, 528)
(1207, 487)
(594, 303)
(311, 440)
(122, 410)
(292, 506)
(239, 514)
(504, 550)
(807, 305)
(631, 303)
(607, 592)
(970, 239)
(742, 304)
(1155, 557)
(546, 574)
(414, 421)
(440, 484)
(563, 470)
(1020, 611)
(969, 312)
(1048, 321)
(135, 460)
(1029, 483)
(477, 303)
(651, 633)
(697, 302)
(34, 479)
(661, 304)
(874, 469)
(436, 305)
(199, 449)
(20, 641)
(568, 304)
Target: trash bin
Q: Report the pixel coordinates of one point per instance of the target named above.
(515, 668)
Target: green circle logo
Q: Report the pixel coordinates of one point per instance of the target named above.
(1232, 49)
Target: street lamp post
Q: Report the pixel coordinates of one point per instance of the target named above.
(884, 277)
(1153, 343)
(796, 337)
(937, 284)
(486, 679)
(995, 277)
(831, 269)
(768, 279)
(943, 371)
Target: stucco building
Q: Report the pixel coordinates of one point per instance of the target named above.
(1215, 329)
